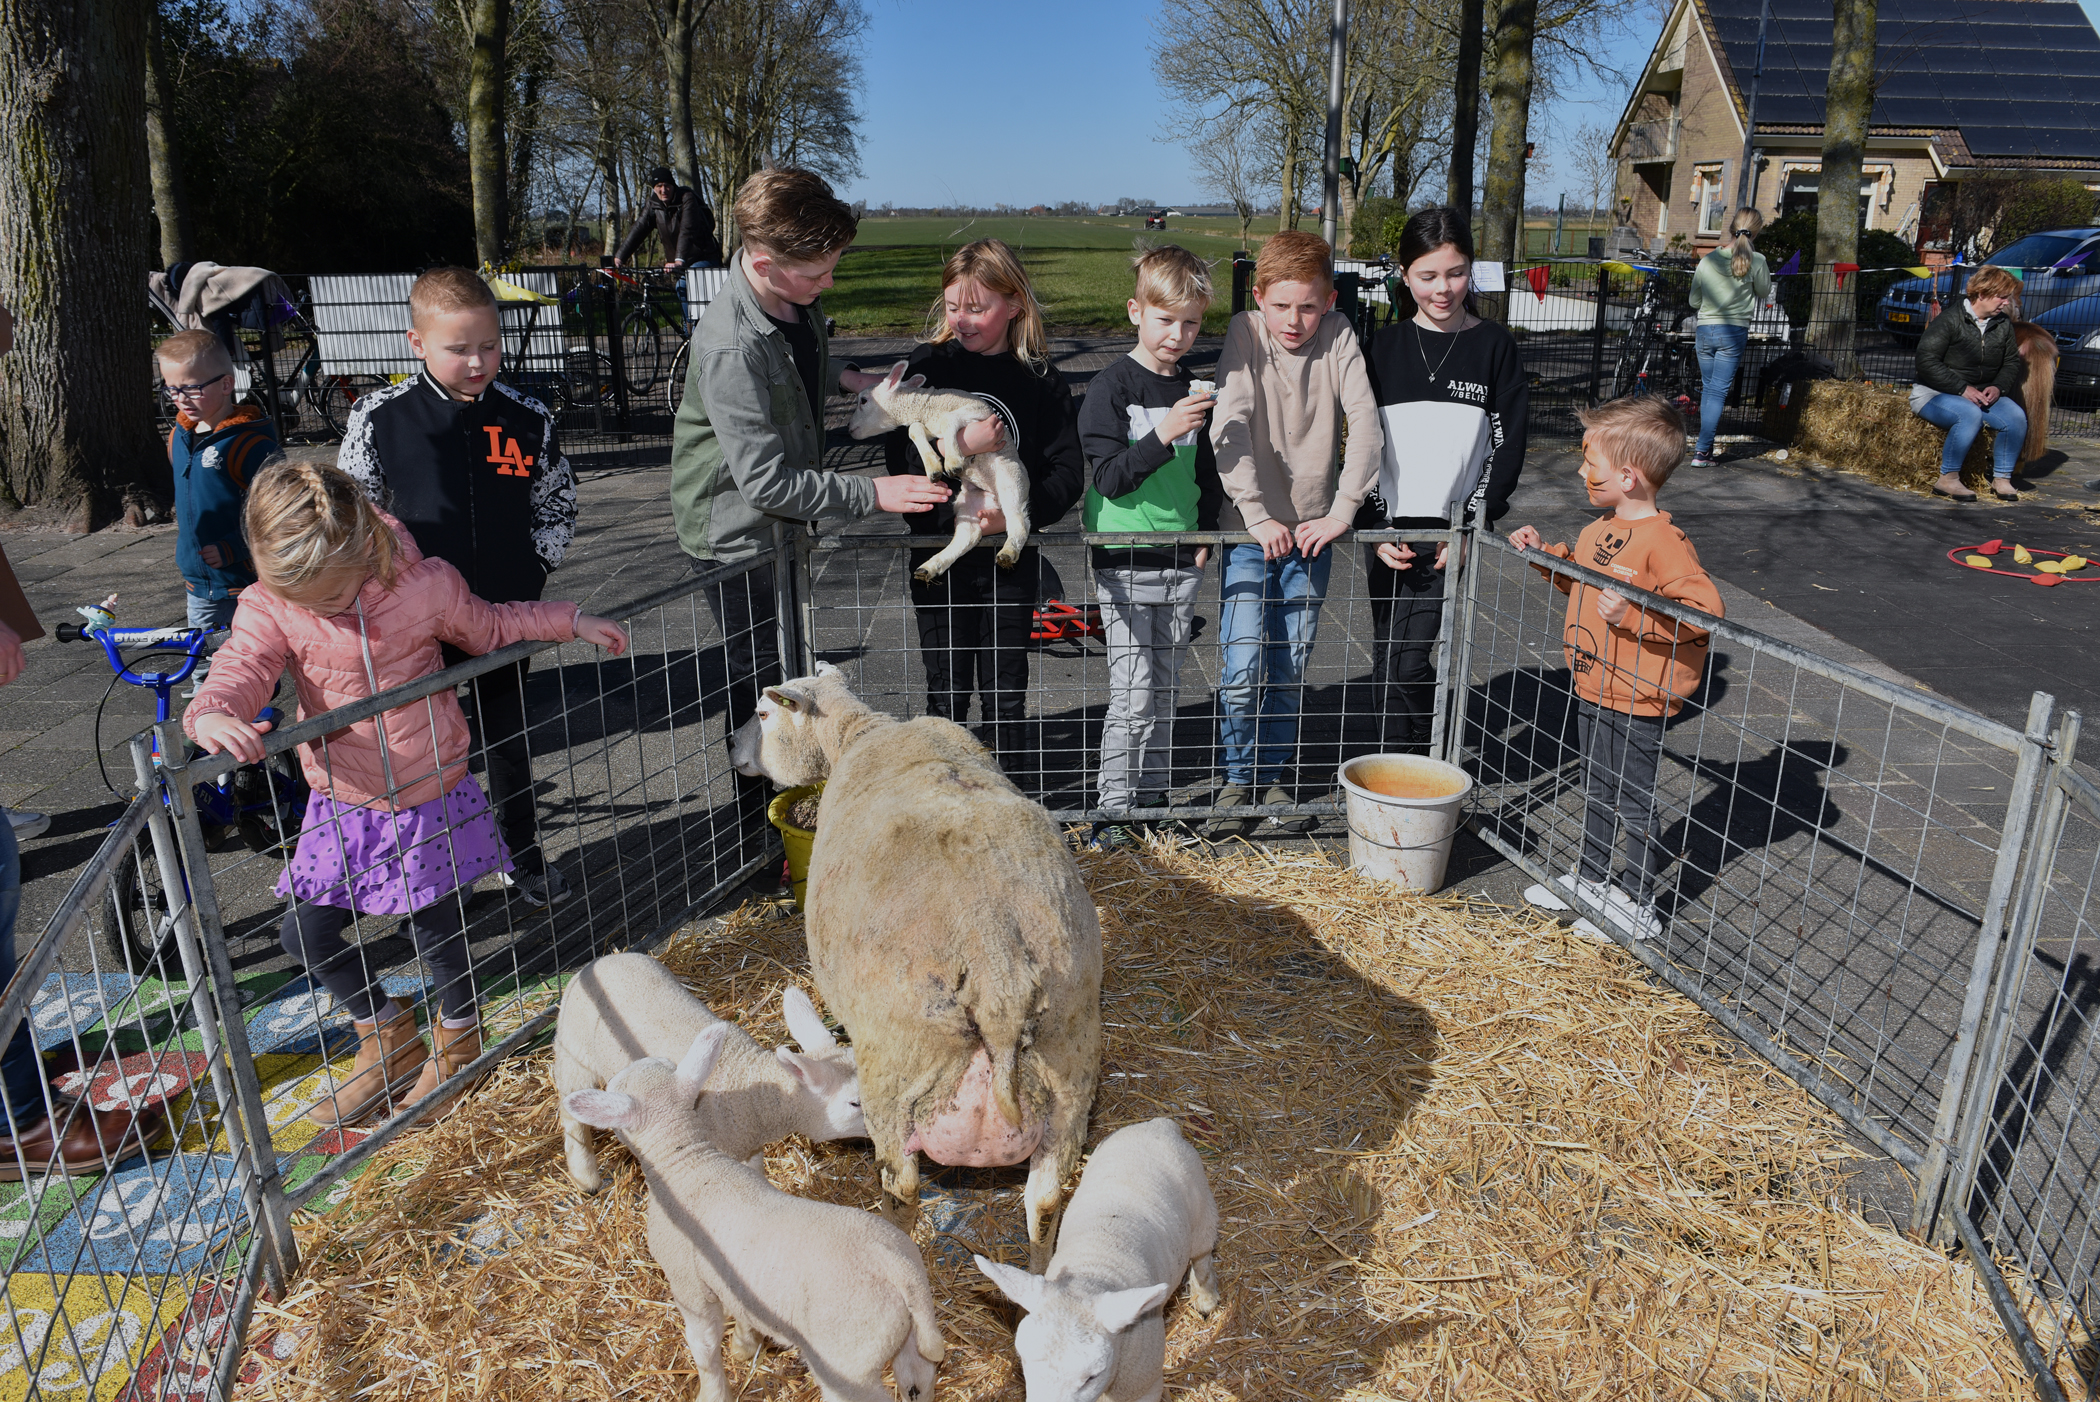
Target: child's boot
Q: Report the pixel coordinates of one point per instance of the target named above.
(457, 1048)
(388, 1052)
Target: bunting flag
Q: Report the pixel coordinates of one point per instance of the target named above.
(1613, 265)
(1791, 265)
(1537, 278)
(1919, 272)
(2069, 260)
(1841, 269)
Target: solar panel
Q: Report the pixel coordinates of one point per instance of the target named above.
(2018, 77)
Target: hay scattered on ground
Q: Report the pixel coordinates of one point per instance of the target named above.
(1460, 1153)
(1859, 426)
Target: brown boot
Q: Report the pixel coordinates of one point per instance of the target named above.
(387, 1052)
(457, 1047)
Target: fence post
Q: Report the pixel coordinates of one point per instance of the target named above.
(1440, 726)
(1460, 680)
(280, 1260)
(2012, 842)
(1981, 1098)
(588, 306)
(616, 344)
(787, 564)
(1597, 335)
(1242, 274)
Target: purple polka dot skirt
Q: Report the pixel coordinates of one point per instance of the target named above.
(379, 862)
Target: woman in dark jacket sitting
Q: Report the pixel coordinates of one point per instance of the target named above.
(1967, 365)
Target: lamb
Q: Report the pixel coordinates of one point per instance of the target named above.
(1142, 1217)
(951, 934)
(628, 1006)
(939, 416)
(845, 1288)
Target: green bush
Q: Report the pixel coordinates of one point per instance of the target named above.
(1796, 233)
(1377, 227)
(2034, 205)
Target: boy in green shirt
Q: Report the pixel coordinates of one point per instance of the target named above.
(1141, 426)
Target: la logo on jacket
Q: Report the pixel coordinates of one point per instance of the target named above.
(509, 458)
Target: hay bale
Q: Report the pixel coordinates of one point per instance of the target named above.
(1458, 1151)
(1859, 426)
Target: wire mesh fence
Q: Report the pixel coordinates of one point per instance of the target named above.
(1118, 681)
(1885, 895)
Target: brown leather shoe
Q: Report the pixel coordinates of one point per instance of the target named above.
(79, 1140)
(457, 1047)
(387, 1055)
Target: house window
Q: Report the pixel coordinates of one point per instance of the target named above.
(1799, 190)
(1709, 199)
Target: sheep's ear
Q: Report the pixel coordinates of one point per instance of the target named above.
(915, 382)
(602, 1109)
(826, 669)
(820, 1076)
(1119, 1309)
(1016, 1284)
(896, 373)
(700, 1061)
(804, 1025)
(791, 698)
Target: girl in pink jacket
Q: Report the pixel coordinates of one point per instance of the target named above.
(395, 826)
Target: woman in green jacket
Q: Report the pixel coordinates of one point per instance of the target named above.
(1728, 287)
(1968, 366)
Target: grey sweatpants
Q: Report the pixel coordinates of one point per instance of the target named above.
(1620, 755)
(1146, 616)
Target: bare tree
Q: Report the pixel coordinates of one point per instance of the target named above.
(1259, 59)
(1590, 163)
(74, 426)
(487, 25)
(1847, 108)
(1235, 161)
(1510, 76)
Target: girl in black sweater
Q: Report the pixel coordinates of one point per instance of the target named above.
(974, 620)
(1443, 354)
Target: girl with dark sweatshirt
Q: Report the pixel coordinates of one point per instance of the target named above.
(974, 620)
(1441, 354)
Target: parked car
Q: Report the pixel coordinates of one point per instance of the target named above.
(2076, 327)
(1907, 305)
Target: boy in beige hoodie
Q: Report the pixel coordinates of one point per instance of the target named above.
(1291, 371)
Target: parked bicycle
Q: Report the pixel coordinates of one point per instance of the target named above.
(1369, 316)
(263, 804)
(649, 309)
(1655, 357)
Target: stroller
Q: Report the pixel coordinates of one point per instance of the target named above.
(225, 301)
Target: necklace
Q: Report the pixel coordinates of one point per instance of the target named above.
(1420, 350)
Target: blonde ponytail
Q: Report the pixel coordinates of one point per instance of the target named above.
(303, 519)
(1744, 226)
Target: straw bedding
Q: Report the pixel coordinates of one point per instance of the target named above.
(1862, 427)
(1459, 1152)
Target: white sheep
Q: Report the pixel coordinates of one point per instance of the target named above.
(625, 1007)
(845, 1288)
(937, 417)
(1143, 1217)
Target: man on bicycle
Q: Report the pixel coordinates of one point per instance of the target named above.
(681, 219)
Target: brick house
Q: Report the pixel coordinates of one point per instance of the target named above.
(1963, 84)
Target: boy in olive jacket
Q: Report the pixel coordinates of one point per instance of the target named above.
(750, 433)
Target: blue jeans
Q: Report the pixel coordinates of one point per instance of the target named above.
(1270, 611)
(211, 613)
(21, 1069)
(1963, 420)
(1720, 352)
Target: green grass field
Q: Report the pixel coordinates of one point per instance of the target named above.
(891, 276)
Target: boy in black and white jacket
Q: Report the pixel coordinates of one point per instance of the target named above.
(474, 471)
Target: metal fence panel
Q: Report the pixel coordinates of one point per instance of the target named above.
(1831, 845)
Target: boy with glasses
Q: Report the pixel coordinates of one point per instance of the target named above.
(215, 450)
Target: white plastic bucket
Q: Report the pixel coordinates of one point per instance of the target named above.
(1403, 813)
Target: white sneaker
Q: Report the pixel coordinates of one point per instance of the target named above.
(1544, 898)
(1584, 927)
(1623, 913)
(538, 889)
(28, 825)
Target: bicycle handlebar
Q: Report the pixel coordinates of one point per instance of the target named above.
(193, 642)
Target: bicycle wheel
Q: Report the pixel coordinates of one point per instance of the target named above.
(586, 377)
(138, 908)
(674, 392)
(1626, 376)
(334, 395)
(648, 351)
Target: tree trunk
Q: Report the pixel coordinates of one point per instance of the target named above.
(1287, 187)
(170, 202)
(682, 18)
(1509, 101)
(1846, 111)
(76, 419)
(1465, 111)
(523, 149)
(490, 20)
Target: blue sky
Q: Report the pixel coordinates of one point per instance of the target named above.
(982, 102)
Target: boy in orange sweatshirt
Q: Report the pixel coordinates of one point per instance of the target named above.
(1634, 669)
